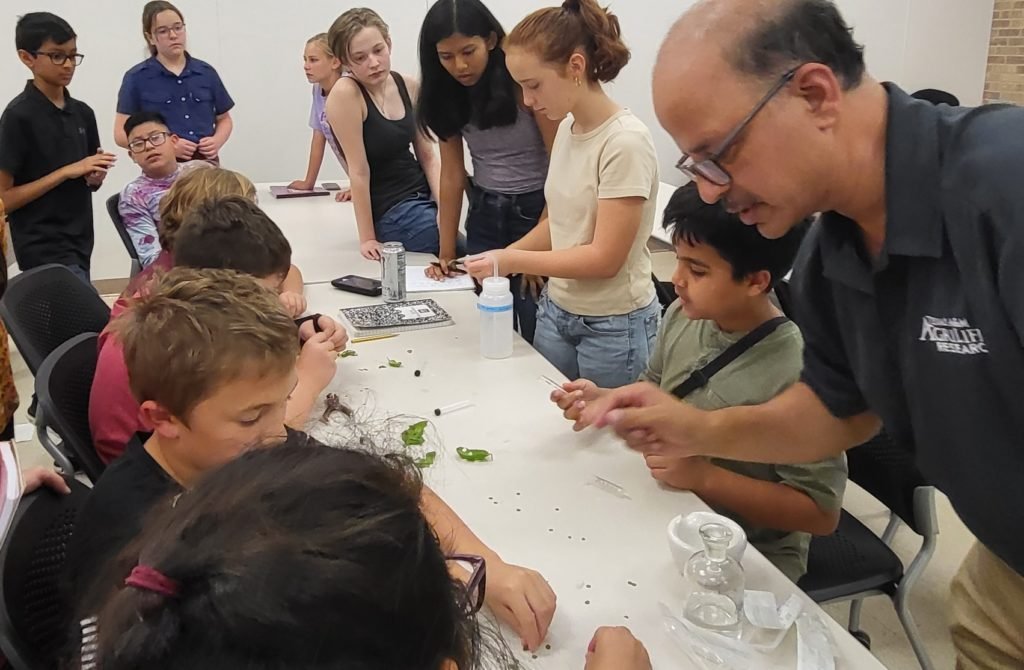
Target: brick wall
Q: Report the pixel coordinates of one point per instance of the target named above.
(1004, 81)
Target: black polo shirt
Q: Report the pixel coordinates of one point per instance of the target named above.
(36, 139)
(930, 335)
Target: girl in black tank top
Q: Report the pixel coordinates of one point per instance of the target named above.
(395, 174)
(392, 165)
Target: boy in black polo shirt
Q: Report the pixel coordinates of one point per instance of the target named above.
(50, 156)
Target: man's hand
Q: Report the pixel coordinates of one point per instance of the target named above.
(336, 334)
(293, 303)
(616, 649)
(573, 398)
(370, 249)
(101, 161)
(687, 474)
(185, 150)
(522, 599)
(651, 420)
(33, 478)
(210, 146)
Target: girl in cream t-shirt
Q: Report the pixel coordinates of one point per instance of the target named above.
(599, 315)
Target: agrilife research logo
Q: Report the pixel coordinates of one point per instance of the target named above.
(953, 335)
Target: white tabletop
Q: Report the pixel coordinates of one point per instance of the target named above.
(606, 557)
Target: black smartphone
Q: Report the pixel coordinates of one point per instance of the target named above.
(360, 285)
(330, 186)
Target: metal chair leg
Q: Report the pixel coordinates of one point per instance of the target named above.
(910, 628)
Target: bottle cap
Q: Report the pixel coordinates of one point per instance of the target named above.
(496, 286)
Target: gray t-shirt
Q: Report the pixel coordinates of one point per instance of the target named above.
(508, 159)
(762, 372)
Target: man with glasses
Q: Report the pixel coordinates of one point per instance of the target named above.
(909, 291)
(50, 155)
(152, 146)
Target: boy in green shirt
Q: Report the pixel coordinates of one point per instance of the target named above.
(724, 277)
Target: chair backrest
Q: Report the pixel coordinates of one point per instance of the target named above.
(664, 291)
(889, 473)
(47, 306)
(34, 611)
(113, 209)
(63, 384)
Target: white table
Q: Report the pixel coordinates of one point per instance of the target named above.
(606, 557)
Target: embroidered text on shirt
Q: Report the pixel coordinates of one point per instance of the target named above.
(953, 335)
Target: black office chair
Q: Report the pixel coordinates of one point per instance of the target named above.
(113, 210)
(34, 614)
(45, 307)
(854, 563)
(63, 384)
(665, 291)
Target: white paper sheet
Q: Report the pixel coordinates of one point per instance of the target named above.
(416, 281)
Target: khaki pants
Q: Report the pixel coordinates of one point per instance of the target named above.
(988, 613)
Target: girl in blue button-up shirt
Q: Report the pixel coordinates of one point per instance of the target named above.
(188, 92)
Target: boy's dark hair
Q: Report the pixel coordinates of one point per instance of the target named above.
(35, 28)
(232, 233)
(445, 106)
(801, 31)
(689, 219)
(138, 118)
(298, 556)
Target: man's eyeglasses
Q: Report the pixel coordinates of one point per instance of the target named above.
(709, 168)
(177, 29)
(59, 57)
(137, 146)
(477, 582)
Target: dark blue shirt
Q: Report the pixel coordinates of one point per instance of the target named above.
(930, 336)
(191, 101)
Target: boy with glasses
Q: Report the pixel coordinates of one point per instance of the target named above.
(50, 155)
(152, 146)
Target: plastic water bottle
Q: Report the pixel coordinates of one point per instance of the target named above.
(495, 305)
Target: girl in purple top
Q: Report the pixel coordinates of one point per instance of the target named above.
(323, 70)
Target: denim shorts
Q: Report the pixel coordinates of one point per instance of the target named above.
(413, 222)
(610, 351)
(496, 220)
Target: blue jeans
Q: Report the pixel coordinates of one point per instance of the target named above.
(610, 351)
(496, 220)
(413, 222)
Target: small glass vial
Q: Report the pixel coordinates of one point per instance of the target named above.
(716, 583)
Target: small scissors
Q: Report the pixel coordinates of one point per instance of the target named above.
(455, 267)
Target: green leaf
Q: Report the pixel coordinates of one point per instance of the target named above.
(413, 435)
(347, 353)
(394, 364)
(474, 455)
(426, 461)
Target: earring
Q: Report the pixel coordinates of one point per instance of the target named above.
(577, 82)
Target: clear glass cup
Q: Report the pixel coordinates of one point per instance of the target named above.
(715, 582)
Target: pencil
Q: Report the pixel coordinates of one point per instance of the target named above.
(371, 338)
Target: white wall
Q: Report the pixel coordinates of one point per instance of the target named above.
(257, 44)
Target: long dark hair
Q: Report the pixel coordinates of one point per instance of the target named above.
(446, 106)
(295, 556)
